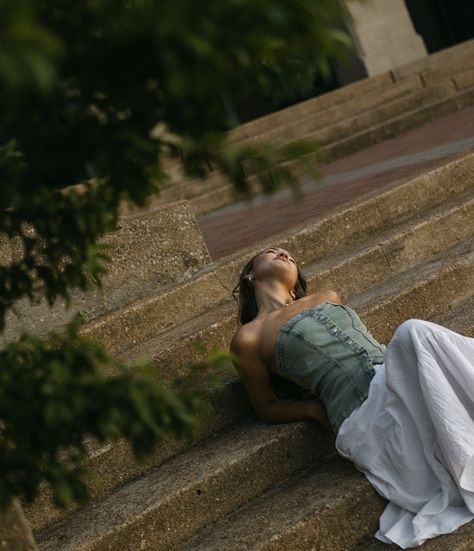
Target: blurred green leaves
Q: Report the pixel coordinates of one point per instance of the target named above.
(55, 391)
(106, 89)
(100, 92)
(29, 51)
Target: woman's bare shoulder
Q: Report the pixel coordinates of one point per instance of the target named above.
(323, 295)
(244, 339)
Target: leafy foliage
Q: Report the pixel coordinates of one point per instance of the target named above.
(117, 85)
(64, 393)
(101, 92)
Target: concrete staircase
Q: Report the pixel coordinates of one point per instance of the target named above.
(404, 252)
(346, 120)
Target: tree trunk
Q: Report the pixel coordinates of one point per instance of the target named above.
(15, 534)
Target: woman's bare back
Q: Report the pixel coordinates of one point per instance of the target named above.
(265, 327)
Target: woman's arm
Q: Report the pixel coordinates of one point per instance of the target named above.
(256, 379)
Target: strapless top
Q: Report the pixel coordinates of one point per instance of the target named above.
(329, 351)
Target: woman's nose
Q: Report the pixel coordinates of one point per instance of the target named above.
(283, 253)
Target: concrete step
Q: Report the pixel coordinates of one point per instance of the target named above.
(332, 125)
(351, 140)
(359, 265)
(375, 212)
(330, 100)
(454, 58)
(440, 65)
(426, 290)
(326, 506)
(459, 319)
(396, 126)
(192, 489)
(460, 540)
(354, 106)
(415, 288)
(216, 477)
(395, 101)
(347, 138)
(150, 251)
(331, 114)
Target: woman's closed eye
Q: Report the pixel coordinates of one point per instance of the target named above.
(274, 251)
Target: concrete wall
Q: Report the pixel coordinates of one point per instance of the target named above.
(384, 35)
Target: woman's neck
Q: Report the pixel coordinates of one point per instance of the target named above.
(273, 298)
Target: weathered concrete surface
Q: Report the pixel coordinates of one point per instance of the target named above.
(143, 319)
(447, 61)
(450, 68)
(362, 266)
(418, 151)
(391, 237)
(170, 504)
(331, 100)
(149, 252)
(114, 464)
(362, 260)
(459, 318)
(457, 56)
(15, 534)
(327, 507)
(297, 128)
(174, 350)
(349, 137)
(414, 290)
(460, 540)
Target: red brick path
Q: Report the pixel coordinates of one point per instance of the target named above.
(243, 224)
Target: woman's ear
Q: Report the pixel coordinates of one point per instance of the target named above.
(293, 294)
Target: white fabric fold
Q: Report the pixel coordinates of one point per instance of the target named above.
(413, 437)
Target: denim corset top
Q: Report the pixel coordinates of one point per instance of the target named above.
(329, 351)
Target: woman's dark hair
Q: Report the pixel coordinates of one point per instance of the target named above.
(247, 304)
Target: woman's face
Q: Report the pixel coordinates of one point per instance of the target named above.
(278, 263)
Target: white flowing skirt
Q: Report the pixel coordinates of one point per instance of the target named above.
(413, 437)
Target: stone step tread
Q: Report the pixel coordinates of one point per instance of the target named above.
(335, 97)
(194, 472)
(454, 56)
(141, 319)
(460, 540)
(402, 92)
(405, 121)
(399, 93)
(398, 109)
(212, 319)
(412, 282)
(318, 500)
(461, 206)
(461, 254)
(333, 115)
(458, 58)
(286, 517)
(357, 121)
(459, 318)
(370, 86)
(352, 141)
(224, 406)
(243, 442)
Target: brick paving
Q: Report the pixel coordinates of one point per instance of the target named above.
(235, 227)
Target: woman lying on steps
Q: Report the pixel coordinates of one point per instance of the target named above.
(403, 414)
